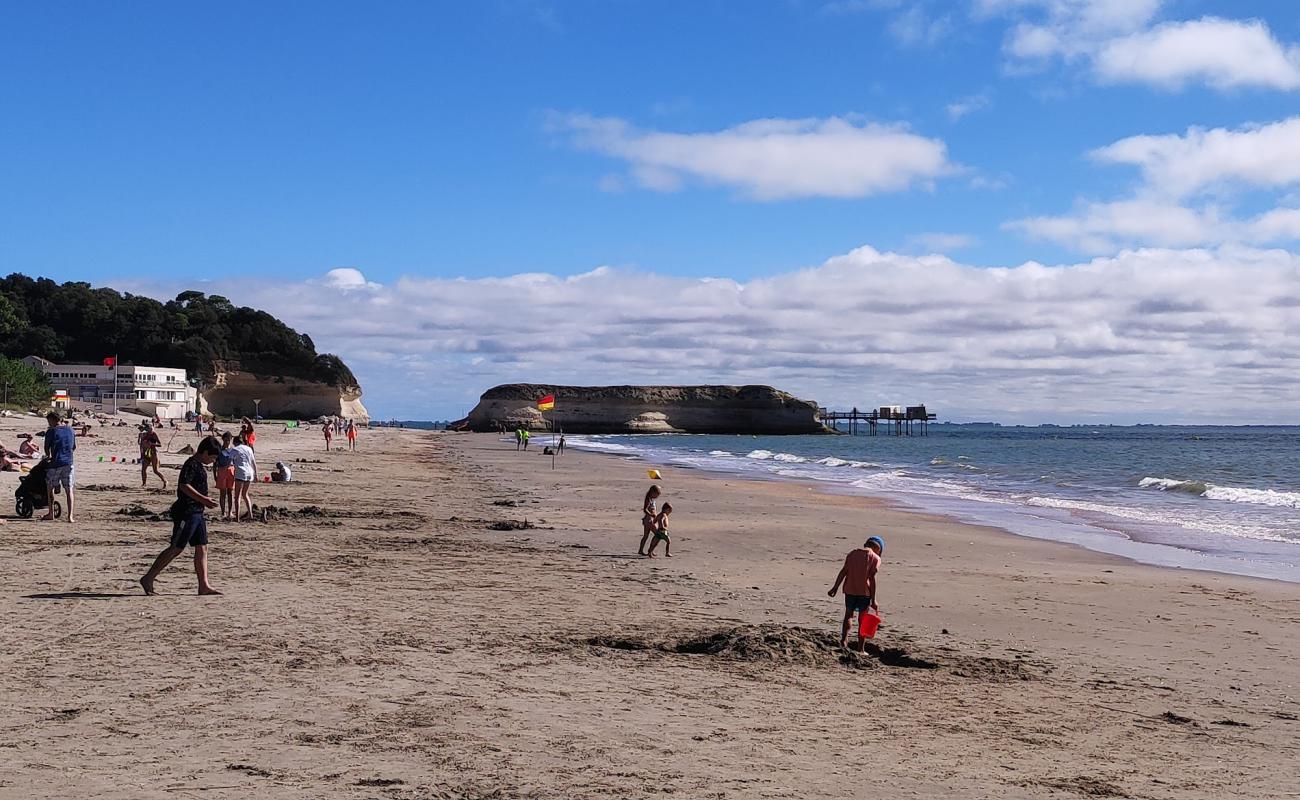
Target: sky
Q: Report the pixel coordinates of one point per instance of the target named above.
(1015, 210)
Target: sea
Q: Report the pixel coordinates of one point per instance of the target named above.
(1224, 499)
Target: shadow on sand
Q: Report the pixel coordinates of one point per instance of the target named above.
(81, 595)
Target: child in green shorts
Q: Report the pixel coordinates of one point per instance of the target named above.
(661, 533)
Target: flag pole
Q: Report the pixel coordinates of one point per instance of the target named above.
(115, 384)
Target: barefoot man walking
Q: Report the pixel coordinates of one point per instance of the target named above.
(188, 525)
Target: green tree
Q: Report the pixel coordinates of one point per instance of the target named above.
(25, 385)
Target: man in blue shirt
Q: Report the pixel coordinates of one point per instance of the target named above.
(60, 441)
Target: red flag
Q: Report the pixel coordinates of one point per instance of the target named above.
(546, 403)
(111, 361)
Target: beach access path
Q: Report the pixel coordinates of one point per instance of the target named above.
(440, 616)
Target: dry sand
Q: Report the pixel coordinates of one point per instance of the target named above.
(393, 644)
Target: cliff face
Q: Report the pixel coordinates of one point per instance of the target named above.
(646, 409)
(231, 393)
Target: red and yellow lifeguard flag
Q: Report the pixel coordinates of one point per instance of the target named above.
(546, 403)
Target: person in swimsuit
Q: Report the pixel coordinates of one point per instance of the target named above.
(661, 533)
(649, 517)
(859, 578)
(150, 444)
(329, 436)
(352, 435)
(223, 470)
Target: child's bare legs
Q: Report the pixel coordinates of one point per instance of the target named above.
(201, 569)
(227, 500)
(159, 564)
(844, 629)
(242, 492)
(668, 548)
(648, 525)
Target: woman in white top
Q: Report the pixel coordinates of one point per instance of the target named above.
(245, 464)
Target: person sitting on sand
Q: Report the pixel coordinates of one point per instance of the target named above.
(150, 444)
(188, 525)
(661, 533)
(281, 473)
(648, 516)
(28, 448)
(223, 470)
(859, 578)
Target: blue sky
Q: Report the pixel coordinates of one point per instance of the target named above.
(244, 143)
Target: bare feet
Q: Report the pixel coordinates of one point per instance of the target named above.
(70, 519)
(147, 584)
(48, 517)
(204, 590)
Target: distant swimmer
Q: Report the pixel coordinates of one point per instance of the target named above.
(661, 533)
(649, 516)
(859, 578)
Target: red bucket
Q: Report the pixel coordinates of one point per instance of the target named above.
(868, 623)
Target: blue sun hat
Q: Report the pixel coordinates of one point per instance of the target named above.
(878, 542)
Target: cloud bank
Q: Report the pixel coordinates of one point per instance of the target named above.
(1186, 193)
(768, 159)
(1119, 42)
(1155, 335)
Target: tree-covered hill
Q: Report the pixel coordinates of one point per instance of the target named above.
(75, 323)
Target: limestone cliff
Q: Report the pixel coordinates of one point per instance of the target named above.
(230, 392)
(646, 409)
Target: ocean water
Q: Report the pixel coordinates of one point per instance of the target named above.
(1225, 499)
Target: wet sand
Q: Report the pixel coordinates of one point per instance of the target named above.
(393, 630)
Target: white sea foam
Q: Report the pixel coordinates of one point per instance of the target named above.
(1157, 517)
(789, 458)
(721, 454)
(1263, 497)
(1226, 494)
(761, 455)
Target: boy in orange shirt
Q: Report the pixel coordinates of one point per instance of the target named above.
(859, 578)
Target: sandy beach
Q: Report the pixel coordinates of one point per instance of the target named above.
(440, 616)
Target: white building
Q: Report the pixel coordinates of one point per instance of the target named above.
(161, 391)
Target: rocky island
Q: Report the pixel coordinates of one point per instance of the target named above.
(758, 410)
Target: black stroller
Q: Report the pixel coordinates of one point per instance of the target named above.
(32, 494)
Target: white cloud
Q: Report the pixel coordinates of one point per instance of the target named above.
(1106, 227)
(1158, 334)
(769, 159)
(967, 105)
(941, 242)
(1120, 43)
(915, 27)
(1262, 156)
(1222, 53)
(1178, 172)
(347, 279)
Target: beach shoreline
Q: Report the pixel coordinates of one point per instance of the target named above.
(1039, 518)
(457, 619)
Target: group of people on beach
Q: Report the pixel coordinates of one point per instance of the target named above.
(337, 426)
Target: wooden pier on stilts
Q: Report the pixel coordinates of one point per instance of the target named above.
(896, 420)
